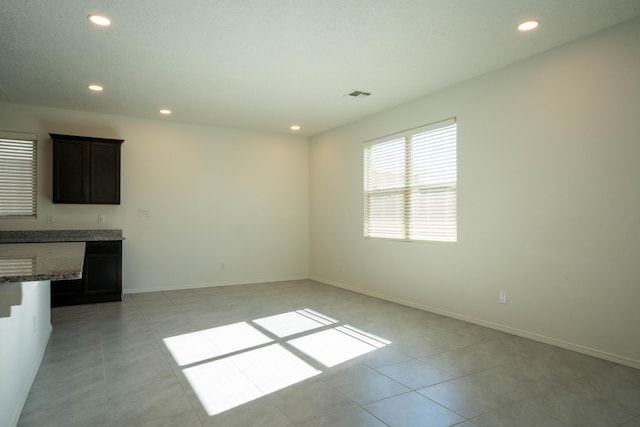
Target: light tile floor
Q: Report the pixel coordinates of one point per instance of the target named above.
(110, 365)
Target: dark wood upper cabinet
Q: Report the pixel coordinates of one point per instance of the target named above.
(86, 169)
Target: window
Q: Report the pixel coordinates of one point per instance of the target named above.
(410, 185)
(17, 174)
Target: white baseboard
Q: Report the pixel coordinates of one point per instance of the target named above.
(210, 285)
(497, 326)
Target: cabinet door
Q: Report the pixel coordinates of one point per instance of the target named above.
(103, 273)
(101, 277)
(105, 173)
(70, 172)
(66, 288)
(86, 169)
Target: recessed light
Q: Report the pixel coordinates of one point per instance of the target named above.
(96, 88)
(528, 25)
(295, 127)
(100, 20)
(165, 111)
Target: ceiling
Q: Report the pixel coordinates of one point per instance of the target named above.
(268, 64)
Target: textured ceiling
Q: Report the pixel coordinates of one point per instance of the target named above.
(267, 64)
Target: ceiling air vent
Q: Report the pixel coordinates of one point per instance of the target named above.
(359, 94)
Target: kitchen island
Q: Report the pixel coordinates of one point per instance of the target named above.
(29, 262)
(26, 270)
(101, 280)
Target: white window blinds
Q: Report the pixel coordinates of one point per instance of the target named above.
(17, 175)
(411, 185)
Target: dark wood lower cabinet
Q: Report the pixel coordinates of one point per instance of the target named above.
(101, 277)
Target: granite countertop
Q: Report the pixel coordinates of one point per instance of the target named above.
(39, 236)
(30, 262)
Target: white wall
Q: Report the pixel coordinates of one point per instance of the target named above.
(216, 196)
(549, 201)
(23, 339)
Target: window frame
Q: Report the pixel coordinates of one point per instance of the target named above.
(13, 162)
(410, 220)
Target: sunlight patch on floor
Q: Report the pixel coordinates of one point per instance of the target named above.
(231, 365)
(227, 383)
(335, 346)
(294, 322)
(210, 343)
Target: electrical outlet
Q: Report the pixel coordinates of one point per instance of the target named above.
(502, 297)
(101, 219)
(144, 212)
(50, 219)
